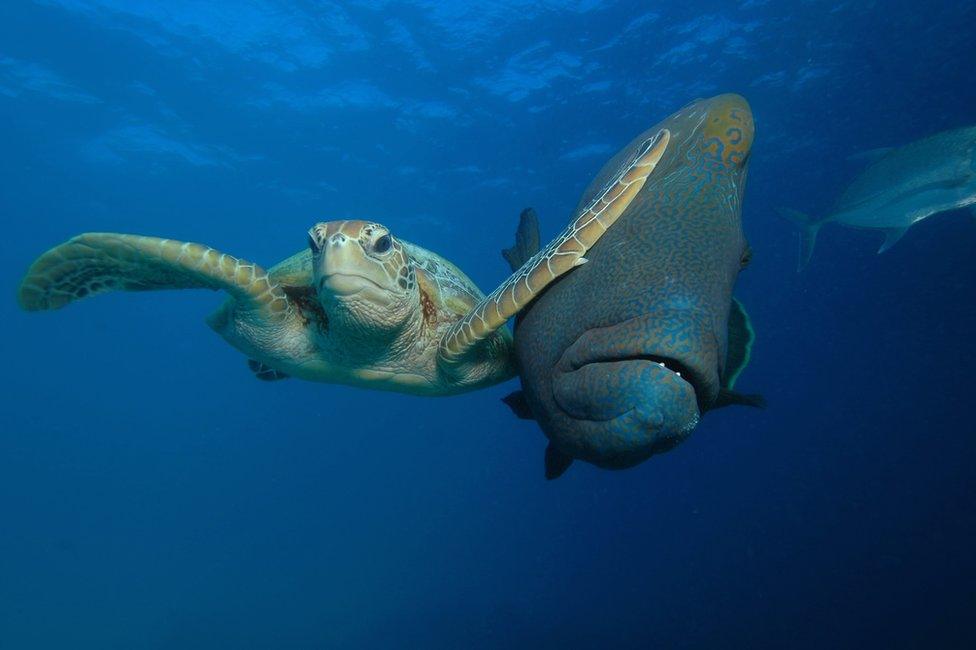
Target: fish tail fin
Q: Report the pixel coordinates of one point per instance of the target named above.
(808, 234)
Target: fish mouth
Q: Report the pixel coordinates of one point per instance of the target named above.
(624, 408)
(677, 343)
(678, 369)
(626, 391)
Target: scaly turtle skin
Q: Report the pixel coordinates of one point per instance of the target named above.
(358, 307)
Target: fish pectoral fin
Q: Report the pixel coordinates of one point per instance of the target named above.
(557, 462)
(892, 235)
(741, 336)
(519, 405)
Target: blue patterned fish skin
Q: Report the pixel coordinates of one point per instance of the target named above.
(657, 289)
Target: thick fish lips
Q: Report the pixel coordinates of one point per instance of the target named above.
(637, 388)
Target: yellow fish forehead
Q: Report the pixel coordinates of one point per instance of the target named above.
(729, 126)
(722, 127)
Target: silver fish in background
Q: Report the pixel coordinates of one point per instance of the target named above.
(902, 187)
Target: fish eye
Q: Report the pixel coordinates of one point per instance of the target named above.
(382, 244)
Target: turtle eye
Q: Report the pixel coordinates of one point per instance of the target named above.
(382, 244)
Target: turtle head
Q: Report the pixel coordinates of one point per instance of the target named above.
(363, 277)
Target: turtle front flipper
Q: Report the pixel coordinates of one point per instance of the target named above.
(557, 258)
(94, 263)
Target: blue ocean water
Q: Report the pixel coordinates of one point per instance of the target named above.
(153, 494)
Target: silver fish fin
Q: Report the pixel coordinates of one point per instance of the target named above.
(892, 235)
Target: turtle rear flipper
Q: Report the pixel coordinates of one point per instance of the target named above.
(560, 256)
(94, 263)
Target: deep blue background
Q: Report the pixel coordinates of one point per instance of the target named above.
(154, 495)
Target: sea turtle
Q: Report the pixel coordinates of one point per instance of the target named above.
(358, 306)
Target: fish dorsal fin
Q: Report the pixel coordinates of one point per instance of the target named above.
(526, 240)
(741, 337)
(526, 244)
